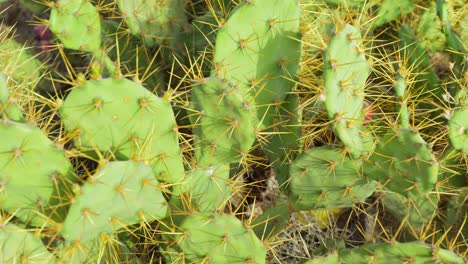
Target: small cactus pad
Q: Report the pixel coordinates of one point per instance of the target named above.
(258, 49)
(429, 30)
(216, 238)
(390, 10)
(153, 20)
(324, 178)
(404, 163)
(454, 42)
(417, 57)
(18, 245)
(34, 174)
(18, 63)
(225, 130)
(9, 110)
(400, 86)
(119, 194)
(122, 117)
(458, 129)
(345, 74)
(203, 190)
(77, 24)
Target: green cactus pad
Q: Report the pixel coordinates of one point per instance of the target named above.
(345, 73)
(415, 209)
(119, 194)
(324, 178)
(347, 3)
(458, 129)
(154, 20)
(454, 42)
(403, 162)
(34, 174)
(18, 63)
(417, 252)
(390, 10)
(273, 221)
(284, 143)
(400, 87)
(203, 190)
(453, 170)
(258, 50)
(9, 110)
(77, 24)
(122, 117)
(102, 250)
(216, 238)
(225, 130)
(412, 50)
(18, 245)
(429, 30)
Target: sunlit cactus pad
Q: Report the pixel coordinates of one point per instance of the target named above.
(77, 24)
(216, 238)
(121, 193)
(35, 175)
(122, 118)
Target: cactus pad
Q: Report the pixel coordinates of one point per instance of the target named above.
(217, 238)
(417, 252)
(404, 163)
(34, 174)
(9, 110)
(345, 74)
(324, 178)
(203, 190)
(458, 129)
(122, 117)
(18, 63)
(153, 20)
(119, 194)
(77, 24)
(22, 246)
(390, 10)
(258, 50)
(225, 130)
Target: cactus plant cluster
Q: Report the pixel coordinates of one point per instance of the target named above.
(144, 151)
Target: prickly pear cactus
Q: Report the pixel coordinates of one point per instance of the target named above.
(119, 194)
(404, 162)
(19, 245)
(35, 175)
(154, 21)
(458, 129)
(18, 62)
(224, 128)
(324, 178)
(390, 10)
(9, 109)
(216, 238)
(121, 118)
(257, 50)
(417, 252)
(77, 24)
(345, 75)
(204, 189)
